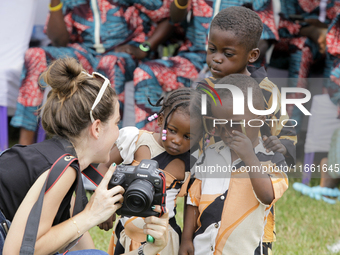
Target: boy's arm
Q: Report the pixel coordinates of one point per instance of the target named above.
(189, 228)
(269, 185)
(260, 181)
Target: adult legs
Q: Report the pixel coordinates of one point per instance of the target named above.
(153, 78)
(118, 68)
(31, 93)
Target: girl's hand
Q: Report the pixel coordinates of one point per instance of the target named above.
(104, 202)
(158, 229)
(241, 145)
(108, 224)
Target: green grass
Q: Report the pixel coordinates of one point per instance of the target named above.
(303, 225)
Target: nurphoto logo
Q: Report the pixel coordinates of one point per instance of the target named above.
(238, 102)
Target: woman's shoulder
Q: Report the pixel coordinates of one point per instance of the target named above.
(38, 154)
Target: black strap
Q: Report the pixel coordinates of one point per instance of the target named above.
(56, 171)
(93, 175)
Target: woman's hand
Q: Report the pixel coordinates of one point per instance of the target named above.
(104, 202)
(158, 229)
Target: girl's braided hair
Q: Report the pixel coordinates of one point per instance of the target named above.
(185, 99)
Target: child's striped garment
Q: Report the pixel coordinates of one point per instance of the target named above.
(231, 218)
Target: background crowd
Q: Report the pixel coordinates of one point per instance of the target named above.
(298, 36)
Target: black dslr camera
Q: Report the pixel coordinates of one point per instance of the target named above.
(144, 186)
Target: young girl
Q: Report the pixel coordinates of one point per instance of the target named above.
(180, 122)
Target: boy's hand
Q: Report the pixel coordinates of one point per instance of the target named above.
(186, 248)
(273, 143)
(241, 145)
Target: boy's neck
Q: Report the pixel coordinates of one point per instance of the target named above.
(245, 71)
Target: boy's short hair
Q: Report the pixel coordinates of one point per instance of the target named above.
(243, 82)
(245, 23)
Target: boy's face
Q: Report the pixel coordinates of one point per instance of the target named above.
(225, 112)
(226, 55)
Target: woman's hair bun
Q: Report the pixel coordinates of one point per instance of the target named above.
(66, 111)
(64, 77)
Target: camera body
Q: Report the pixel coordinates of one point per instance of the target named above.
(144, 187)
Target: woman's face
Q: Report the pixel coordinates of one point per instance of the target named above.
(110, 134)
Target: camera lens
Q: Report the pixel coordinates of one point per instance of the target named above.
(139, 196)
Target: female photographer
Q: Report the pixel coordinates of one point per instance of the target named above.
(82, 112)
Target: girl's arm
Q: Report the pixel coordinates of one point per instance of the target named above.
(51, 239)
(176, 168)
(56, 27)
(114, 158)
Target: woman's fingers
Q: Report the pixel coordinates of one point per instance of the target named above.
(163, 220)
(107, 177)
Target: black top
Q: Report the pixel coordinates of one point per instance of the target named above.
(21, 166)
(165, 158)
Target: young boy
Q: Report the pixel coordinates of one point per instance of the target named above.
(227, 209)
(233, 44)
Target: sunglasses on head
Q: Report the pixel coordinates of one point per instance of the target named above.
(101, 91)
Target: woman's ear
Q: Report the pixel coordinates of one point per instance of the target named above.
(160, 120)
(95, 129)
(253, 55)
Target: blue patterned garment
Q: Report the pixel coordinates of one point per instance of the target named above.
(152, 78)
(332, 69)
(95, 27)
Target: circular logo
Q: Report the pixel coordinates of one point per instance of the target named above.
(68, 158)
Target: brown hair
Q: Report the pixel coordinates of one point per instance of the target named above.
(67, 109)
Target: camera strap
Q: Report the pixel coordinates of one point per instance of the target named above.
(56, 171)
(92, 174)
(164, 193)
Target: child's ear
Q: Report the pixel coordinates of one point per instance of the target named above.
(253, 55)
(160, 120)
